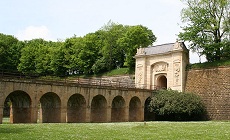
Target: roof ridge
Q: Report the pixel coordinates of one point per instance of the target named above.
(161, 45)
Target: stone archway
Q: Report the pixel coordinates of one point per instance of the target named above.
(76, 109)
(118, 109)
(135, 109)
(162, 82)
(17, 106)
(168, 59)
(50, 110)
(99, 109)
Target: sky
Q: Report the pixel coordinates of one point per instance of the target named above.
(60, 19)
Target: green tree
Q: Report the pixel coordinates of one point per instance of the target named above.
(71, 49)
(112, 51)
(89, 53)
(58, 61)
(35, 57)
(135, 37)
(10, 49)
(208, 27)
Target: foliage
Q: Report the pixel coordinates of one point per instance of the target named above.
(104, 50)
(99, 66)
(208, 27)
(135, 37)
(36, 57)
(58, 60)
(9, 52)
(209, 64)
(112, 52)
(177, 106)
(127, 130)
(111, 47)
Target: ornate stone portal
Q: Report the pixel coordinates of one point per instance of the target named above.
(162, 66)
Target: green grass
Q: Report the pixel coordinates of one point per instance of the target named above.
(114, 72)
(120, 71)
(107, 131)
(209, 64)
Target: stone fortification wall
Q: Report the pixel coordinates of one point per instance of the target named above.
(213, 86)
(130, 79)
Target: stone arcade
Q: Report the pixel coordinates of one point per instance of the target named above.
(161, 66)
(36, 101)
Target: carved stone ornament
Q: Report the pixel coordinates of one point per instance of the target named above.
(140, 74)
(140, 51)
(177, 74)
(162, 67)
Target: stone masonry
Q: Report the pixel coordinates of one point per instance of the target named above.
(213, 86)
(162, 66)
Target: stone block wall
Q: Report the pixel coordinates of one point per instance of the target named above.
(213, 86)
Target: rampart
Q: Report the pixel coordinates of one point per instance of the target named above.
(213, 86)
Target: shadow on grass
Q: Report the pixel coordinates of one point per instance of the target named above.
(12, 129)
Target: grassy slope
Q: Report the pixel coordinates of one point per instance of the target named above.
(209, 64)
(128, 130)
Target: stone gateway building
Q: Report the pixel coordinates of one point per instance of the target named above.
(162, 66)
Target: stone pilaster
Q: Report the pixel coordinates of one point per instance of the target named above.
(109, 114)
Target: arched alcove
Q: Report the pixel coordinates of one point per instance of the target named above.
(17, 107)
(135, 109)
(162, 82)
(99, 109)
(50, 111)
(76, 109)
(118, 109)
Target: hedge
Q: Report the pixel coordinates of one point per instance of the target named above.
(171, 105)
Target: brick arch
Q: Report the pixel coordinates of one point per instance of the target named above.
(50, 110)
(99, 109)
(135, 109)
(118, 109)
(18, 105)
(76, 108)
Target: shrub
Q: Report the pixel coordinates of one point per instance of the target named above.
(170, 105)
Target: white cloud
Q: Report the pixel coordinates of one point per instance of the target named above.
(33, 32)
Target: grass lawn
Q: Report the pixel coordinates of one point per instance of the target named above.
(209, 130)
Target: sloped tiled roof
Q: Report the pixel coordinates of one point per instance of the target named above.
(159, 49)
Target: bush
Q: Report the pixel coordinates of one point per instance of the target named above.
(170, 105)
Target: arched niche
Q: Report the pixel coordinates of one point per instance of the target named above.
(76, 109)
(135, 109)
(118, 109)
(161, 81)
(99, 109)
(50, 109)
(17, 107)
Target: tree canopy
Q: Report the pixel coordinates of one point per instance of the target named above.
(207, 27)
(9, 51)
(111, 47)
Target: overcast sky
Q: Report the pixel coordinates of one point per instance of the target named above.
(61, 19)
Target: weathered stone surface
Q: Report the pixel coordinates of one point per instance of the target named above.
(162, 66)
(213, 86)
(56, 102)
